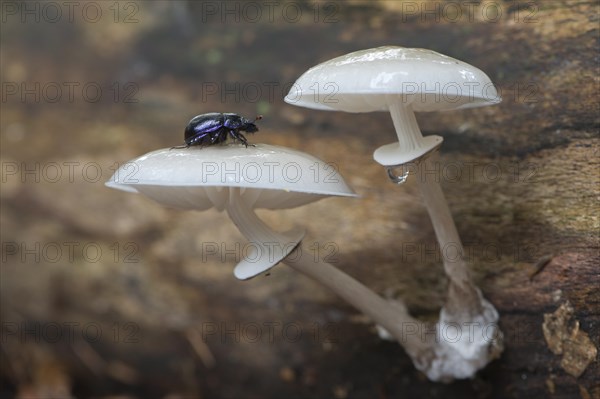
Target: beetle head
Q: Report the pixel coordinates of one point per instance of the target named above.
(251, 127)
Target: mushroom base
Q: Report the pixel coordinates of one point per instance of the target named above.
(465, 345)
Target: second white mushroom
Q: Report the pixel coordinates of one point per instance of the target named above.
(403, 81)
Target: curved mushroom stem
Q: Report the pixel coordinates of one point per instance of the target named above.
(412, 334)
(268, 246)
(462, 295)
(415, 336)
(434, 349)
(479, 340)
(405, 122)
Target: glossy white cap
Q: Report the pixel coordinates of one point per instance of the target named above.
(373, 79)
(271, 177)
(401, 81)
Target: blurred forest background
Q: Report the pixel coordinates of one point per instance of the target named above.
(105, 294)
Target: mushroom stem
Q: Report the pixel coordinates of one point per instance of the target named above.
(248, 222)
(411, 144)
(462, 294)
(480, 340)
(407, 128)
(268, 246)
(392, 316)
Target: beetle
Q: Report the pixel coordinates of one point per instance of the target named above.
(214, 128)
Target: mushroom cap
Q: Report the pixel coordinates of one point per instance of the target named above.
(371, 80)
(198, 178)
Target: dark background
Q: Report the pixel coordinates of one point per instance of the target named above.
(105, 294)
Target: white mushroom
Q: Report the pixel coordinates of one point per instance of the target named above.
(401, 81)
(404, 81)
(236, 179)
(239, 179)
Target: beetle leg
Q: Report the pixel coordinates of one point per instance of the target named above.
(235, 135)
(223, 135)
(216, 136)
(243, 139)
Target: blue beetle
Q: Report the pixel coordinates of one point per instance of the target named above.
(214, 128)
